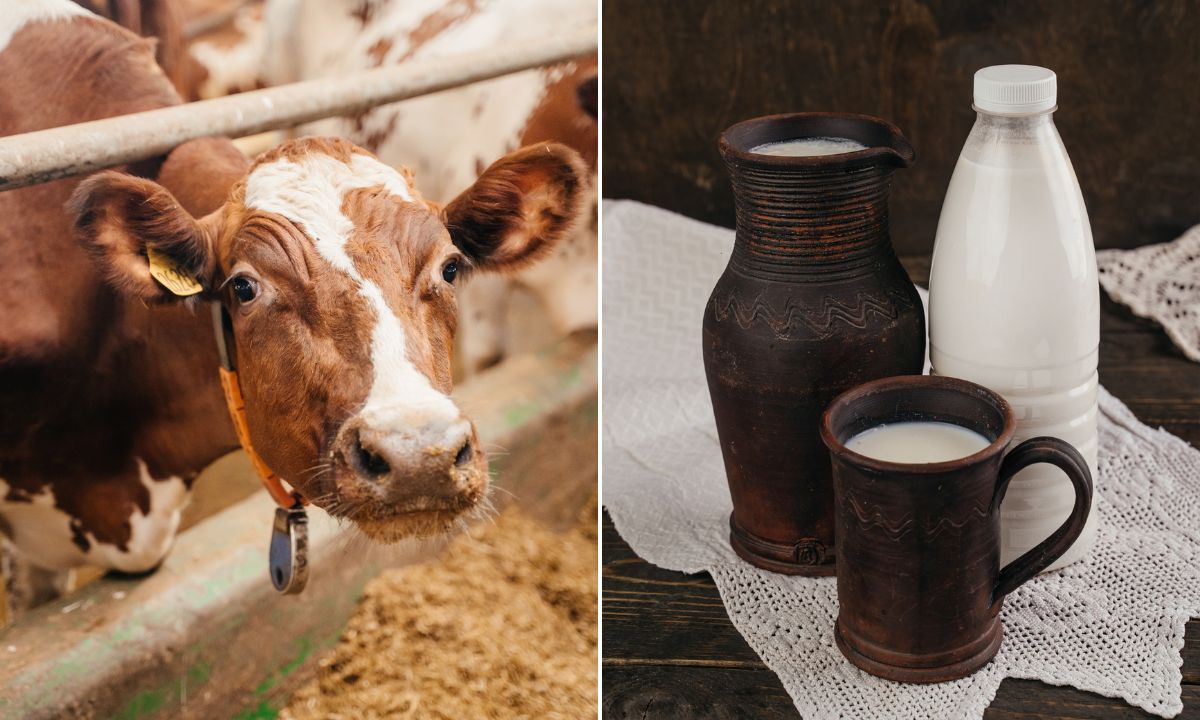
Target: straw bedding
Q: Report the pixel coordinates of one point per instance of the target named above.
(502, 625)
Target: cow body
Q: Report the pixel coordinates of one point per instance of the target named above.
(158, 19)
(94, 390)
(227, 59)
(449, 137)
(338, 277)
(221, 59)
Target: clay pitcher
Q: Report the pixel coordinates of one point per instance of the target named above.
(812, 302)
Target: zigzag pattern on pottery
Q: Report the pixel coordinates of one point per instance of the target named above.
(872, 516)
(819, 321)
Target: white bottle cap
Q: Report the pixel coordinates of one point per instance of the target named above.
(1015, 89)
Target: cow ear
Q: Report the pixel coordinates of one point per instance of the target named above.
(519, 207)
(143, 240)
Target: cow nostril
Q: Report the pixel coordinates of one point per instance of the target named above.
(369, 462)
(465, 453)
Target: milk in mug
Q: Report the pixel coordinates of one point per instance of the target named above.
(917, 442)
(1014, 301)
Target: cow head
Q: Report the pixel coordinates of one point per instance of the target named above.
(340, 282)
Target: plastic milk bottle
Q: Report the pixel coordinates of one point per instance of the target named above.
(1014, 303)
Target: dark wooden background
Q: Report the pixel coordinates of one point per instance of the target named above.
(677, 73)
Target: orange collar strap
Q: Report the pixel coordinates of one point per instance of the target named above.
(237, 411)
(284, 497)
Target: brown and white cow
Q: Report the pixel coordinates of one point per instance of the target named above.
(203, 58)
(340, 281)
(448, 138)
(226, 58)
(159, 19)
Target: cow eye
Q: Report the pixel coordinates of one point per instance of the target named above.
(450, 271)
(244, 289)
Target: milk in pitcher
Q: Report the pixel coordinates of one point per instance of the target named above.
(809, 147)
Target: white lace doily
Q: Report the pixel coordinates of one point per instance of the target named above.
(1162, 283)
(1111, 624)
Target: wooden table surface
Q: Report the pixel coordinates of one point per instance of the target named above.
(670, 650)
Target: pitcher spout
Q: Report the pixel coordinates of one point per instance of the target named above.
(816, 140)
(899, 150)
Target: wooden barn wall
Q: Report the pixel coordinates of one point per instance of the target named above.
(676, 73)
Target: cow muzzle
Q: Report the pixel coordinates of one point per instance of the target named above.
(412, 482)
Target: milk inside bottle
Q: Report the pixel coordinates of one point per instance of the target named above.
(1014, 302)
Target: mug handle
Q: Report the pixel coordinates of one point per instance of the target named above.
(1063, 455)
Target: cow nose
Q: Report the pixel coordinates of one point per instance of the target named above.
(367, 460)
(464, 454)
(411, 463)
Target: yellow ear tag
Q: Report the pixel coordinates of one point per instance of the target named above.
(171, 276)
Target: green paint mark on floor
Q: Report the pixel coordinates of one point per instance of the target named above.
(305, 645)
(573, 376)
(150, 702)
(144, 703)
(306, 648)
(334, 635)
(262, 712)
(198, 674)
(519, 414)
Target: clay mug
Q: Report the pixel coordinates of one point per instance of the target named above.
(919, 579)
